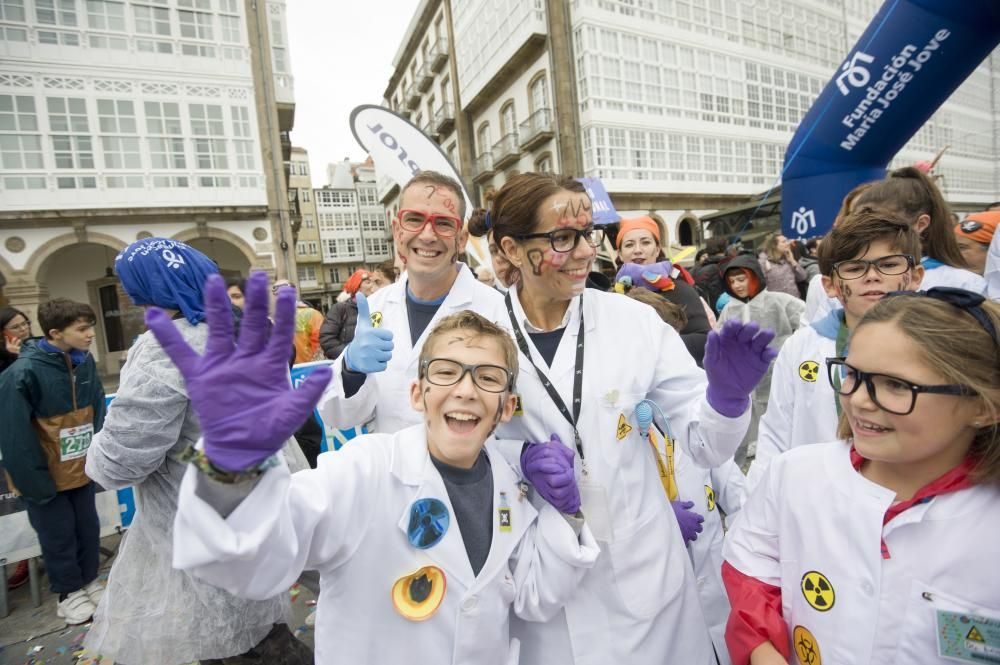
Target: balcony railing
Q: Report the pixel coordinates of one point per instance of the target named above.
(412, 96)
(444, 119)
(438, 54)
(537, 129)
(483, 168)
(506, 151)
(425, 77)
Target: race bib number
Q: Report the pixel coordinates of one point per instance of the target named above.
(74, 441)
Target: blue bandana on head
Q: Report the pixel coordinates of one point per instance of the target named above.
(166, 273)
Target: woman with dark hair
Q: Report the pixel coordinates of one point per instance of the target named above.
(16, 329)
(911, 193)
(152, 614)
(591, 363)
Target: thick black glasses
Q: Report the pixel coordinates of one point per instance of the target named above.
(889, 393)
(445, 372)
(894, 264)
(565, 240)
(444, 226)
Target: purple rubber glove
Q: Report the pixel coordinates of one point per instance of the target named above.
(736, 359)
(549, 468)
(689, 521)
(241, 391)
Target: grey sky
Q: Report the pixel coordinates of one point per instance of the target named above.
(341, 54)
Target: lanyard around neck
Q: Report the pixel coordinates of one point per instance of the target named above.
(522, 344)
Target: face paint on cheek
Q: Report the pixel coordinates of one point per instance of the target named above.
(556, 259)
(845, 289)
(904, 284)
(536, 258)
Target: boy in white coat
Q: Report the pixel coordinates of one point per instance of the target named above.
(854, 261)
(423, 539)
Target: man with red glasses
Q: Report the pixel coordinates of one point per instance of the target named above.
(372, 377)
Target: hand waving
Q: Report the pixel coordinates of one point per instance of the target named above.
(736, 359)
(241, 391)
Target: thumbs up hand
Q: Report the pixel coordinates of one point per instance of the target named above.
(371, 349)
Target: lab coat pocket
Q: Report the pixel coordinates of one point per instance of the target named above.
(646, 577)
(922, 631)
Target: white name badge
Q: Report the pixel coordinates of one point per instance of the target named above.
(74, 441)
(594, 499)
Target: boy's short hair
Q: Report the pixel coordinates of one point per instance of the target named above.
(859, 229)
(479, 326)
(61, 313)
(672, 314)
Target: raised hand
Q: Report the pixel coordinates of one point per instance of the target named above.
(689, 520)
(241, 391)
(736, 359)
(13, 345)
(549, 468)
(371, 348)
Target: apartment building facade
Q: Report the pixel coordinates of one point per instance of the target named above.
(124, 120)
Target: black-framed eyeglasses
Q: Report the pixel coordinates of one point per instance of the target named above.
(894, 264)
(447, 372)
(566, 240)
(444, 226)
(890, 393)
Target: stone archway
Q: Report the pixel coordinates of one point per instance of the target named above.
(687, 231)
(229, 251)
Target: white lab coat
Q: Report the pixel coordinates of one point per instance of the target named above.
(386, 395)
(639, 604)
(992, 274)
(818, 304)
(813, 512)
(705, 488)
(799, 411)
(959, 278)
(348, 519)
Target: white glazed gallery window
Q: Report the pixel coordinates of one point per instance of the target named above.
(165, 142)
(72, 144)
(307, 273)
(106, 15)
(12, 10)
(231, 29)
(56, 12)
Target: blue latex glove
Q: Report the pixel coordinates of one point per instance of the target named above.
(371, 348)
(549, 468)
(241, 391)
(736, 359)
(689, 521)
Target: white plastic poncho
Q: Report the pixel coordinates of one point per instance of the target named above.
(152, 614)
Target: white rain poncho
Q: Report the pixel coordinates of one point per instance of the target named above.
(152, 614)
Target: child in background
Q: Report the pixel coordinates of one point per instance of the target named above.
(974, 235)
(51, 404)
(424, 538)
(877, 548)
(868, 255)
(917, 199)
(753, 301)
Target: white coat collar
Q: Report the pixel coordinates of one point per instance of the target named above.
(564, 361)
(411, 464)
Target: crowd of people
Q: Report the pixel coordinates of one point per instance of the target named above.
(780, 457)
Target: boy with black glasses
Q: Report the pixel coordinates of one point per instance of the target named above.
(869, 254)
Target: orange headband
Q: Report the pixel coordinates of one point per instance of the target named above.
(981, 226)
(646, 223)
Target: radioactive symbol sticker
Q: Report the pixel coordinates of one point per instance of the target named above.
(818, 591)
(809, 371)
(623, 427)
(710, 498)
(806, 647)
(376, 319)
(974, 635)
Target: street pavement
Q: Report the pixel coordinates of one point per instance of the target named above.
(36, 636)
